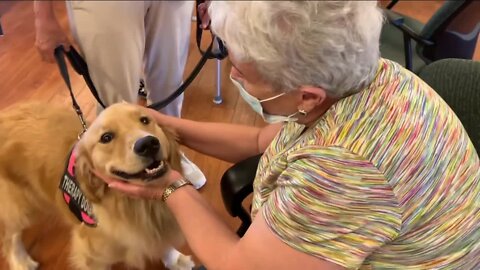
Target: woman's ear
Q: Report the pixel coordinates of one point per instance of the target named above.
(93, 187)
(311, 97)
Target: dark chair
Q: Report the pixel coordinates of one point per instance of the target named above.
(236, 185)
(457, 81)
(451, 32)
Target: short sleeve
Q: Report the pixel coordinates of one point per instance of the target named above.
(333, 204)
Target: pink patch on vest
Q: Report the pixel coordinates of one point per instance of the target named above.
(71, 164)
(87, 219)
(66, 197)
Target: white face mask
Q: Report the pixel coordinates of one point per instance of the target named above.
(256, 105)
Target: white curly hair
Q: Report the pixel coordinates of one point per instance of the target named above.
(329, 44)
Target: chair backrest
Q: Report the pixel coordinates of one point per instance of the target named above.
(457, 81)
(454, 29)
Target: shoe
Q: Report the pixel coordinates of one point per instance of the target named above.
(192, 172)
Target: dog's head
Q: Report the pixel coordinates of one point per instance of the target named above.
(124, 142)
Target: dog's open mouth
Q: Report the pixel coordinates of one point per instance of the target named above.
(155, 170)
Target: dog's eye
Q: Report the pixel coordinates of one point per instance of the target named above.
(106, 137)
(144, 120)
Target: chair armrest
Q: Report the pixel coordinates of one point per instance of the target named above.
(408, 34)
(398, 21)
(237, 184)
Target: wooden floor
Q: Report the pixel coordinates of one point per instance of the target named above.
(24, 77)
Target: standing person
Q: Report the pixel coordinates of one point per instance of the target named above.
(122, 42)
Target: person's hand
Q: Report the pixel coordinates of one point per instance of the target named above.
(203, 12)
(159, 117)
(152, 190)
(163, 120)
(48, 36)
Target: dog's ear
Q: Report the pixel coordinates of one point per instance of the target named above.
(174, 150)
(93, 187)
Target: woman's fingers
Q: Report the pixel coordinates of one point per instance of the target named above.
(153, 190)
(131, 189)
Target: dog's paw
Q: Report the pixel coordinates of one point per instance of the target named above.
(183, 262)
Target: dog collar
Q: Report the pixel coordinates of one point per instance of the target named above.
(73, 195)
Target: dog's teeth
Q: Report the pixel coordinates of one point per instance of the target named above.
(155, 170)
(152, 170)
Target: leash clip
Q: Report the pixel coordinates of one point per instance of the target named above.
(82, 121)
(79, 136)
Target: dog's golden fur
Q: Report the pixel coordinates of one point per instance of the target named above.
(35, 142)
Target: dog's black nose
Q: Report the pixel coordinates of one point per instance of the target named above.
(147, 147)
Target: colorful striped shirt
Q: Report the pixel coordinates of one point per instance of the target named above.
(386, 179)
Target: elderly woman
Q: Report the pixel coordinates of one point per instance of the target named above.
(364, 165)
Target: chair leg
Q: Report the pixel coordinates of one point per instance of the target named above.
(408, 52)
(218, 95)
(246, 221)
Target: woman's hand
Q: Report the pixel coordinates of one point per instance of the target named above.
(151, 190)
(159, 117)
(165, 121)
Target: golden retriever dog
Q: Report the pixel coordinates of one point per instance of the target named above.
(39, 156)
